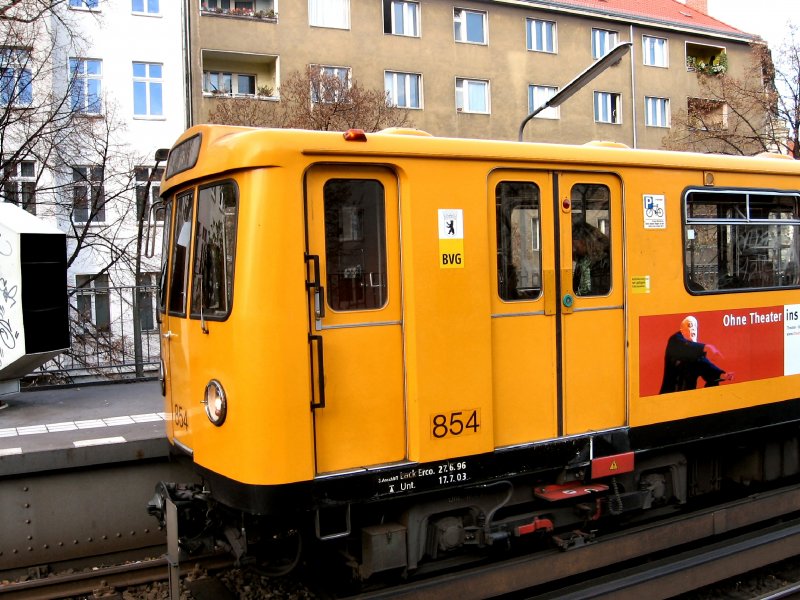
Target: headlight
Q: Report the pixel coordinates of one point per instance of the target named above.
(215, 402)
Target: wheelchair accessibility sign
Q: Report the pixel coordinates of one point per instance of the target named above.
(654, 213)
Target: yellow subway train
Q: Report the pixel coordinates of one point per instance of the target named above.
(411, 348)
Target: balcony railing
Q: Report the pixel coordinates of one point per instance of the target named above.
(241, 13)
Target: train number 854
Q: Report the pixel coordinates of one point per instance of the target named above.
(458, 422)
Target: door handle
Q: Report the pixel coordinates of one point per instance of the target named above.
(319, 291)
(169, 335)
(320, 386)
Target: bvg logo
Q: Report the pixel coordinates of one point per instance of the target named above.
(451, 259)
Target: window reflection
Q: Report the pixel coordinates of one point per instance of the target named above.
(355, 244)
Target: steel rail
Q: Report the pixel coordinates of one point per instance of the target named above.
(117, 576)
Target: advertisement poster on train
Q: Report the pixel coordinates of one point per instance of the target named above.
(687, 351)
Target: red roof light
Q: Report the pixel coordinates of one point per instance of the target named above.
(355, 135)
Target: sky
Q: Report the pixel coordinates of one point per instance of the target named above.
(767, 18)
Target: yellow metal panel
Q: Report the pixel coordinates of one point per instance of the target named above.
(363, 420)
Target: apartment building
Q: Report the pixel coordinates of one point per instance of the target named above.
(470, 68)
(89, 89)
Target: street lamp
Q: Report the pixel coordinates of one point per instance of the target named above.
(609, 60)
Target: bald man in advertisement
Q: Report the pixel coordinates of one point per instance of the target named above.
(686, 360)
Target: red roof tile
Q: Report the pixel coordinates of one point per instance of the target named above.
(669, 12)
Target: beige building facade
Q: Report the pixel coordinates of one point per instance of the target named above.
(472, 68)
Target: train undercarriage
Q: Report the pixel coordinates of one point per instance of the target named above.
(424, 532)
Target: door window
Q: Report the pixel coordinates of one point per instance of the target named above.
(591, 240)
(355, 244)
(519, 267)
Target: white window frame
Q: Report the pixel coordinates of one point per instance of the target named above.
(333, 71)
(15, 68)
(333, 14)
(462, 95)
(603, 42)
(655, 51)
(409, 17)
(151, 83)
(147, 5)
(83, 78)
(93, 299)
(545, 40)
(608, 108)
(657, 112)
(93, 5)
(538, 95)
(392, 81)
(460, 33)
(19, 186)
(234, 91)
(91, 181)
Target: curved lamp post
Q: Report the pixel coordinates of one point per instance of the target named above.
(609, 60)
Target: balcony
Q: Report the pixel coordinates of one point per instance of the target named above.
(239, 75)
(708, 60)
(254, 10)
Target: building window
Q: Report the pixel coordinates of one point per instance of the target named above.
(607, 107)
(235, 84)
(146, 291)
(472, 96)
(330, 85)
(86, 78)
(655, 51)
(541, 35)
(707, 115)
(329, 13)
(537, 96)
(469, 26)
(19, 184)
(88, 201)
(741, 240)
(90, 4)
(16, 87)
(148, 7)
(403, 89)
(93, 302)
(603, 42)
(147, 90)
(401, 18)
(143, 204)
(656, 111)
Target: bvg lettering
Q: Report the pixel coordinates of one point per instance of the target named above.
(451, 259)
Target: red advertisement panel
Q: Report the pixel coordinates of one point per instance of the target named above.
(689, 351)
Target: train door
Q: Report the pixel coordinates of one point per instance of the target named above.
(523, 307)
(591, 302)
(175, 325)
(353, 253)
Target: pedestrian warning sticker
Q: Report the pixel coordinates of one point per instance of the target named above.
(451, 238)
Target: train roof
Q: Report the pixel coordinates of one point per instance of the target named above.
(208, 149)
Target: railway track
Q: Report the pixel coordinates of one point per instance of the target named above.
(721, 540)
(645, 560)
